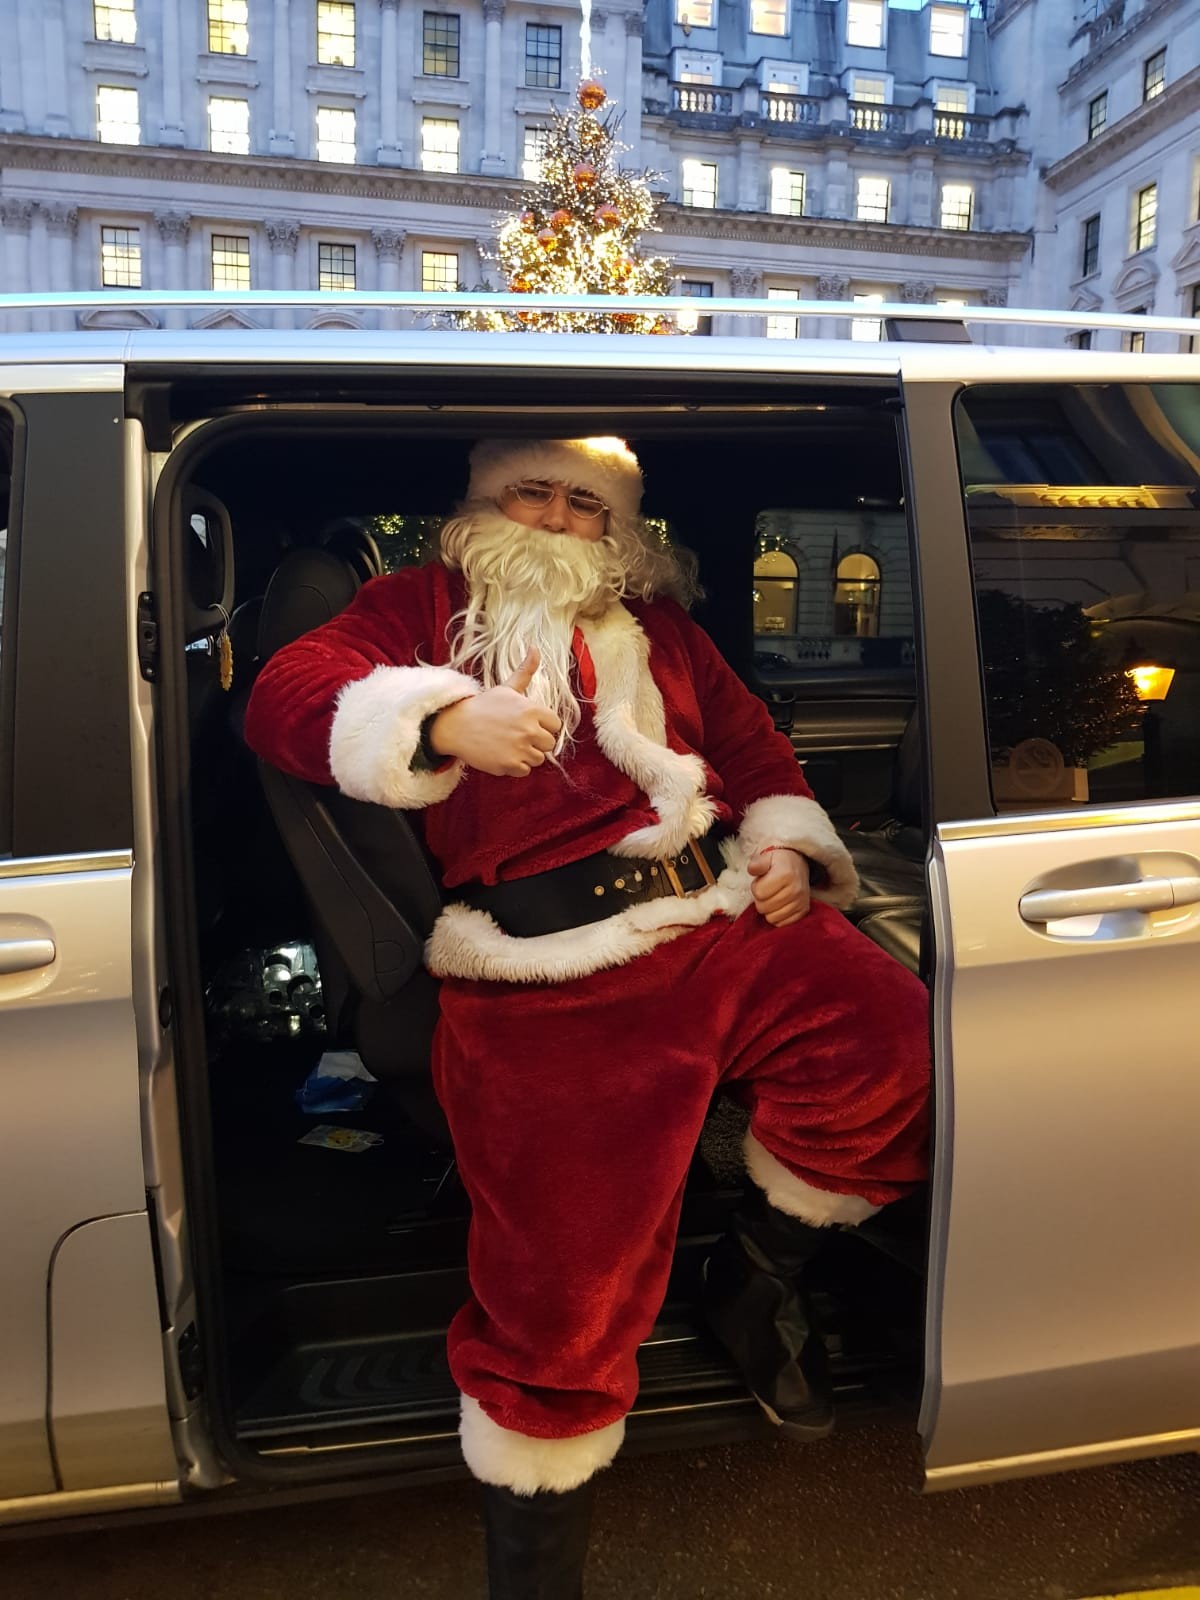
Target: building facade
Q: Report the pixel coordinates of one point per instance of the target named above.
(1114, 202)
(846, 150)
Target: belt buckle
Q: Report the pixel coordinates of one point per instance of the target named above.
(671, 872)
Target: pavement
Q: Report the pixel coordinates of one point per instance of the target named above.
(840, 1520)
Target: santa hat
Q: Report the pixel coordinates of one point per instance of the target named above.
(606, 467)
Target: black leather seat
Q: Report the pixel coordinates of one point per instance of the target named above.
(891, 861)
(370, 886)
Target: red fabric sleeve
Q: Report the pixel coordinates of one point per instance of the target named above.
(390, 622)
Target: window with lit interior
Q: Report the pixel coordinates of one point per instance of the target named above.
(441, 40)
(439, 144)
(335, 33)
(229, 125)
(120, 258)
(337, 135)
(439, 271)
(230, 261)
(116, 21)
(699, 184)
(229, 27)
(118, 120)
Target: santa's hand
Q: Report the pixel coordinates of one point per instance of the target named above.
(779, 884)
(498, 731)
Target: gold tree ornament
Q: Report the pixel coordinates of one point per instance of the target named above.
(591, 95)
(561, 218)
(607, 216)
(584, 174)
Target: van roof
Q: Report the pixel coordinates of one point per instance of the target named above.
(98, 345)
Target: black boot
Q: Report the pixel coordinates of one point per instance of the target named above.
(757, 1308)
(536, 1543)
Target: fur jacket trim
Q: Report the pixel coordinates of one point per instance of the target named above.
(377, 728)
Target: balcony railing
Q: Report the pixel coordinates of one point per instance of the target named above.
(957, 125)
(867, 117)
(698, 98)
(793, 108)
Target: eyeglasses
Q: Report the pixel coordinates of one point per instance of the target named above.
(539, 495)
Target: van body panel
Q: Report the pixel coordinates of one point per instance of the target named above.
(108, 1419)
(70, 1138)
(1069, 1315)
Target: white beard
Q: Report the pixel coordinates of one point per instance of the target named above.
(526, 589)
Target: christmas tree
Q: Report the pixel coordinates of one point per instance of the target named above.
(579, 231)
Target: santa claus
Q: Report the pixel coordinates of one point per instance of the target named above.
(643, 903)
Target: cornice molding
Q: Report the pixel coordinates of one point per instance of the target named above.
(278, 175)
(293, 176)
(880, 238)
(1178, 100)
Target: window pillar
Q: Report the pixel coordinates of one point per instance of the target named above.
(493, 159)
(283, 236)
(389, 246)
(171, 132)
(389, 87)
(12, 118)
(173, 228)
(62, 223)
(283, 138)
(16, 218)
(631, 128)
(58, 121)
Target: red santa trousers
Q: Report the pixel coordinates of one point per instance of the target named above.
(575, 1110)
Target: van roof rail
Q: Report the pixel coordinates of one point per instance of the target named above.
(454, 301)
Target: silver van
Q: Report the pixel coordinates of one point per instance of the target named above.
(966, 579)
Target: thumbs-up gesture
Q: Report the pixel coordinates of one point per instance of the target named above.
(499, 731)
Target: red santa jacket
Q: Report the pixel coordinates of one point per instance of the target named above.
(670, 740)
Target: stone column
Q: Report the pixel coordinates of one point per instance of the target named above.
(920, 192)
(830, 286)
(171, 130)
(493, 161)
(173, 228)
(388, 152)
(601, 47)
(749, 168)
(283, 235)
(62, 224)
(746, 284)
(631, 128)
(39, 267)
(58, 119)
(12, 99)
(389, 246)
(283, 137)
(16, 218)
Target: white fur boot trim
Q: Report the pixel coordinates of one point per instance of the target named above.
(519, 1462)
(376, 730)
(796, 821)
(467, 943)
(631, 730)
(820, 1208)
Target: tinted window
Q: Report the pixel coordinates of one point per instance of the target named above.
(1083, 506)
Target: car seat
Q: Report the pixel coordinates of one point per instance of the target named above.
(891, 860)
(369, 883)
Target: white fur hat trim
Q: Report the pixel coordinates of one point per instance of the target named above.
(606, 466)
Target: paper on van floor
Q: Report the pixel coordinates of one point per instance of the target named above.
(332, 1138)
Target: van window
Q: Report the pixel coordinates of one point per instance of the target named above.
(1083, 510)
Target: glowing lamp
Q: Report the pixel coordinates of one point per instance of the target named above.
(1151, 682)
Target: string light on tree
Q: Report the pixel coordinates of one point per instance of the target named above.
(580, 230)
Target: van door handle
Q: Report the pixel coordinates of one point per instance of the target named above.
(26, 955)
(1144, 894)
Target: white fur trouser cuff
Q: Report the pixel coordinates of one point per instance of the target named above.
(524, 1464)
(820, 1208)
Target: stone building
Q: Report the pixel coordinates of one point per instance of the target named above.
(1114, 203)
(845, 150)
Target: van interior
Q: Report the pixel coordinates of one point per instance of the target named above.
(332, 1263)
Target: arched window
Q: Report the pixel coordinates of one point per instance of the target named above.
(776, 591)
(856, 597)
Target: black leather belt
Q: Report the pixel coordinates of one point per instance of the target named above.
(597, 887)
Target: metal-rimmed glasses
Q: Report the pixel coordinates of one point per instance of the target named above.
(538, 495)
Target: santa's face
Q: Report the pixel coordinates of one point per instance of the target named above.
(554, 507)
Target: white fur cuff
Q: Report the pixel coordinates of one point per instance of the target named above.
(803, 825)
(820, 1208)
(376, 730)
(524, 1464)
